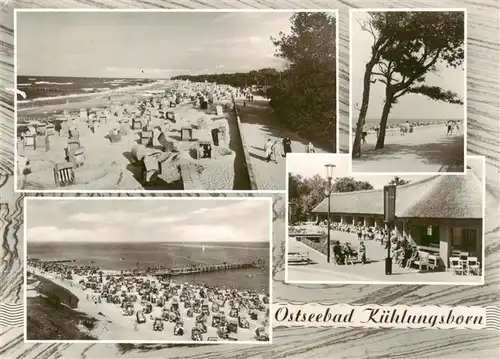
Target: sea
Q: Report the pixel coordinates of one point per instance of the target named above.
(55, 90)
(116, 256)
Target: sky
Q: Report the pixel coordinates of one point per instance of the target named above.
(309, 165)
(409, 106)
(163, 44)
(133, 220)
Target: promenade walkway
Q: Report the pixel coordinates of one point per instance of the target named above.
(258, 124)
(373, 271)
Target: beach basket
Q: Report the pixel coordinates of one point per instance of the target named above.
(41, 130)
(186, 133)
(150, 168)
(74, 134)
(73, 144)
(64, 174)
(29, 141)
(50, 129)
(138, 152)
(22, 164)
(114, 135)
(77, 156)
(146, 138)
(170, 116)
(136, 124)
(205, 149)
(124, 129)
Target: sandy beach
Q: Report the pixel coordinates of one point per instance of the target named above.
(427, 149)
(116, 155)
(113, 325)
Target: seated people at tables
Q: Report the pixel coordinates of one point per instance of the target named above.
(349, 251)
(338, 253)
(411, 255)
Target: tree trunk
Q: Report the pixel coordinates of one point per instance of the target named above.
(383, 121)
(356, 147)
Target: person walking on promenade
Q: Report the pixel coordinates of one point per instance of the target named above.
(268, 149)
(362, 252)
(277, 151)
(310, 148)
(287, 145)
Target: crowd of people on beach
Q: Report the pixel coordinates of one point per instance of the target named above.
(164, 302)
(453, 126)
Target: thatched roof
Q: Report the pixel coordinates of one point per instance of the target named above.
(441, 196)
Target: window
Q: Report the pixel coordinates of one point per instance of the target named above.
(429, 231)
(469, 238)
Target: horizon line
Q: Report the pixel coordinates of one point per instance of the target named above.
(155, 78)
(142, 241)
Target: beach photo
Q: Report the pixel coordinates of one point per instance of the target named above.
(383, 229)
(171, 100)
(408, 90)
(148, 270)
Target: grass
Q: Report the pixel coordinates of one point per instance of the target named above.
(55, 292)
(320, 247)
(49, 320)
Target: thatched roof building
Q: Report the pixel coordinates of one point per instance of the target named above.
(440, 196)
(443, 214)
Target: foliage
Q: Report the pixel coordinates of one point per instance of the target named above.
(408, 45)
(305, 99)
(398, 181)
(47, 320)
(267, 76)
(56, 293)
(349, 184)
(419, 42)
(306, 193)
(304, 95)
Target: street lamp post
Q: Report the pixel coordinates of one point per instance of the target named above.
(329, 173)
(389, 214)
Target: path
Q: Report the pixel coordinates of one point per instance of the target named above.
(427, 149)
(257, 125)
(374, 271)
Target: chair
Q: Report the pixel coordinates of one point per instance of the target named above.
(432, 262)
(423, 260)
(472, 267)
(411, 260)
(64, 174)
(464, 255)
(456, 266)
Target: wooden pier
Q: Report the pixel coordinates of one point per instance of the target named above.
(203, 269)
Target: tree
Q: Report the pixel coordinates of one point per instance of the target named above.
(305, 193)
(349, 184)
(305, 99)
(407, 46)
(398, 181)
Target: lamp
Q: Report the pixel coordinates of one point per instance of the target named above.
(328, 191)
(389, 218)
